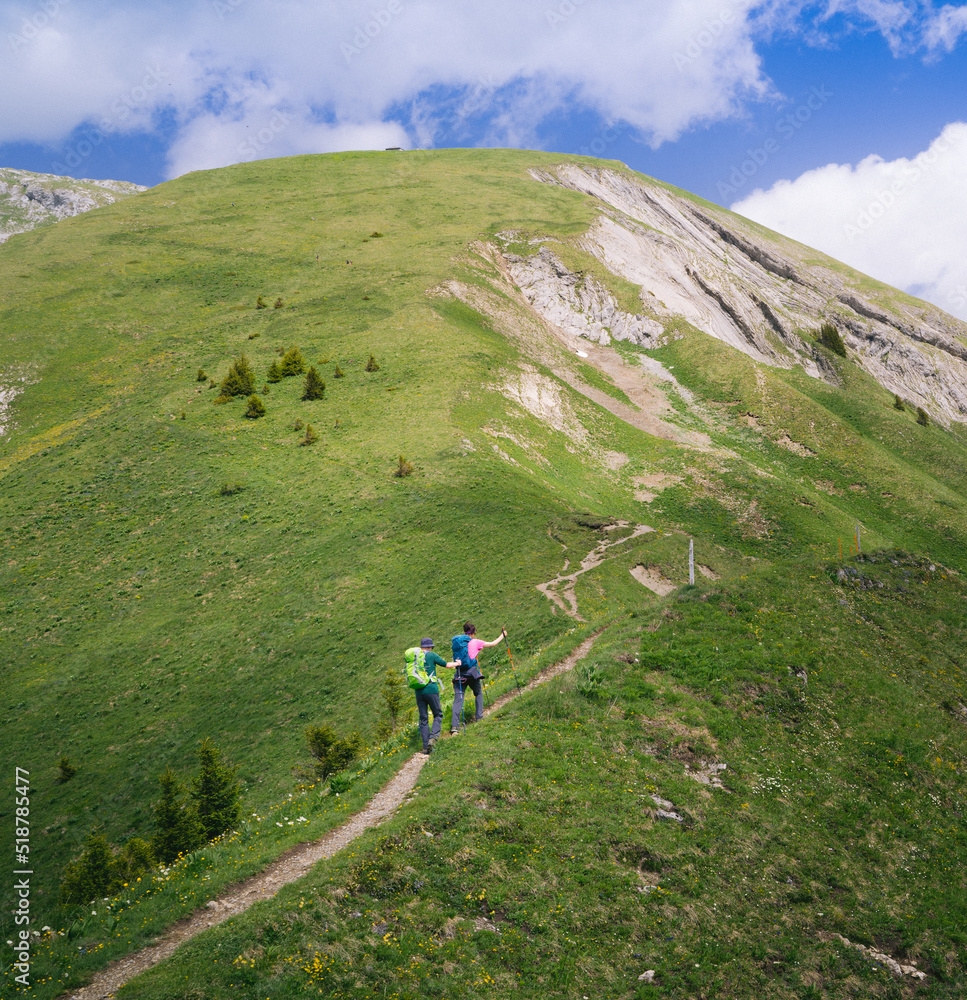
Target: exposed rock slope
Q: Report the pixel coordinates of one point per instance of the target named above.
(729, 278)
(28, 200)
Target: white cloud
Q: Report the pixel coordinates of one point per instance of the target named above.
(661, 66)
(340, 68)
(900, 221)
(945, 28)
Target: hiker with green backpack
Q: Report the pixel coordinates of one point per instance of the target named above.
(421, 663)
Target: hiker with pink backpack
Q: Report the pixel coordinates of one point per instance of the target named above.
(465, 648)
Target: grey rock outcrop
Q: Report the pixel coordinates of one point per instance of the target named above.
(28, 200)
(740, 283)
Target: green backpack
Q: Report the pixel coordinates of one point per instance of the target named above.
(416, 675)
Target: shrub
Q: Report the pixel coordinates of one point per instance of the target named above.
(177, 827)
(275, 372)
(201, 375)
(375, 235)
(230, 489)
(298, 425)
(292, 362)
(92, 875)
(239, 381)
(403, 468)
(256, 408)
(923, 419)
(829, 337)
(133, 860)
(394, 693)
(212, 383)
(278, 303)
(311, 436)
(252, 336)
(215, 793)
(314, 386)
(338, 372)
(588, 679)
(260, 303)
(898, 404)
(371, 365)
(332, 753)
(66, 769)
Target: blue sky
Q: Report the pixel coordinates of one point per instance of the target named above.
(840, 123)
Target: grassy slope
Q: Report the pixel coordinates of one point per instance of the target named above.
(134, 589)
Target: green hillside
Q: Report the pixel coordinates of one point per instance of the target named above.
(175, 571)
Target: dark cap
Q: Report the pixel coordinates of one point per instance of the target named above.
(426, 644)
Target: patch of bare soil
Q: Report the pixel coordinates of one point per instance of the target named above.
(652, 578)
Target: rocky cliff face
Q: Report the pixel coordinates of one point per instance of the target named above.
(733, 280)
(28, 200)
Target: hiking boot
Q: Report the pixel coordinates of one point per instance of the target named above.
(426, 751)
(433, 740)
(454, 732)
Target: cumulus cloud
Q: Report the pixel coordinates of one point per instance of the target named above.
(337, 68)
(899, 221)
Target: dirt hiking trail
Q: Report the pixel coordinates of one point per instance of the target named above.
(292, 865)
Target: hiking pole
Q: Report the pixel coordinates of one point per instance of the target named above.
(512, 670)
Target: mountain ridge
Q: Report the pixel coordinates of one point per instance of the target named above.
(176, 569)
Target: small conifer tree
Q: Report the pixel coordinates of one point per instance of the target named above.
(403, 468)
(92, 875)
(202, 377)
(260, 303)
(66, 770)
(178, 829)
(371, 365)
(314, 386)
(279, 303)
(133, 860)
(332, 752)
(292, 362)
(240, 380)
(215, 792)
(338, 372)
(275, 372)
(898, 403)
(829, 337)
(310, 436)
(923, 419)
(394, 693)
(256, 408)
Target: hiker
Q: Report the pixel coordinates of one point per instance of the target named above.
(466, 647)
(421, 676)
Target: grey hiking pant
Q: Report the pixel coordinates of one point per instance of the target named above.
(459, 683)
(431, 702)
